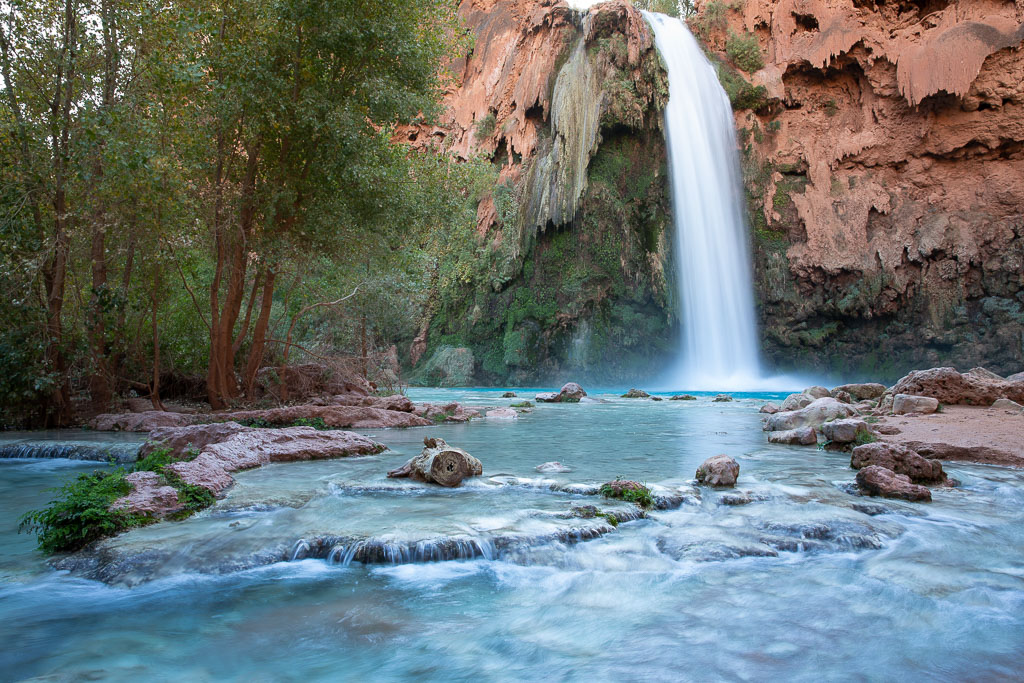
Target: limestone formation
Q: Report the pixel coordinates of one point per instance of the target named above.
(439, 464)
(150, 496)
(879, 481)
(954, 388)
(719, 470)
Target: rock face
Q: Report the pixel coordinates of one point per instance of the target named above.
(903, 404)
(568, 106)
(884, 169)
(899, 459)
(812, 415)
(139, 422)
(440, 464)
(955, 388)
(879, 481)
(719, 470)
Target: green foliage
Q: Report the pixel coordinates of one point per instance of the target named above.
(742, 94)
(640, 495)
(522, 404)
(714, 16)
(744, 51)
(80, 514)
(609, 517)
(831, 107)
(314, 422)
(485, 127)
(864, 438)
(194, 498)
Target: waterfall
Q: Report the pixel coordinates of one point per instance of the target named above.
(713, 279)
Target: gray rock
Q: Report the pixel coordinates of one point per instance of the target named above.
(812, 415)
(770, 409)
(802, 436)
(879, 481)
(722, 398)
(1007, 404)
(845, 431)
(720, 470)
(905, 403)
(797, 401)
(636, 393)
(683, 397)
(817, 392)
(861, 392)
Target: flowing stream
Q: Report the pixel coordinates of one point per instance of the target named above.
(789, 575)
(713, 278)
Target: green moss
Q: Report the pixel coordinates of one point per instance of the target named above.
(638, 494)
(742, 94)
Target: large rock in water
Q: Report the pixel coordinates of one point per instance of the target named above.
(636, 393)
(879, 481)
(954, 388)
(335, 416)
(441, 464)
(899, 459)
(719, 470)
(139, 422)
(845, 431)
(570, 393)
(179, 439)
(244, 450)
(812, 415)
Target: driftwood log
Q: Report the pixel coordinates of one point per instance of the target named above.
(441, 464)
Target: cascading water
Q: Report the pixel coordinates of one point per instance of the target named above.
(719, 335)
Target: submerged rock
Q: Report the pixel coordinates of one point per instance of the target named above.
(552, 467)
(801, 436)
(509, 394)
(904, 403)
(502, 414)
(880, 481)
(722, 398)
(440, 463)
(683, 397)
(899, 459)
(719, 470)
(636, 393)
(813, 415)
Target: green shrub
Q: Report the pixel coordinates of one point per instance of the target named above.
(314, 422)
(744, 51)
(742, 95)
(485, 126)
(865, 437)
(521, 404)
(80, 513)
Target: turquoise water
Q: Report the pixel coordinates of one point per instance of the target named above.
(806, 581)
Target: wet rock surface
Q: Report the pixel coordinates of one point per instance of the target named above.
(900, 460)
(801, 436)
(846, 431)
(812, 415)
(880, 481)
(719, 470)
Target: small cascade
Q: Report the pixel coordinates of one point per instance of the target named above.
(713, 271)
(99, 452)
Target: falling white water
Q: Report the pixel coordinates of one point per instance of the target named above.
(719, 336)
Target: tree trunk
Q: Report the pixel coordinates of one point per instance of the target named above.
(441, 464)
(154, 393)
(259, 335)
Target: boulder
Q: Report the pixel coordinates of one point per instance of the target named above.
(905, 403)
(552, 467)
(683, 397)
(953, 388)
(770, 409)
(812, 415)
(863, 392)
(1007, 404)
(722, 398)
(502, 414)
(251, 448)
(446, 412)
(796, 402)
(636, 393)
(802, 436)
(888, 430)
(899, 459)
(657, 398)
(719, 470)
(983, 373)
(440, 464)
(150, 496)
(1018, 377)
(879, 481)
(846, 431)
(139, 422)
(396, 402)
(509, 394)
(817, 392)
(618, 487)
(570, 393)
(842, 396)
